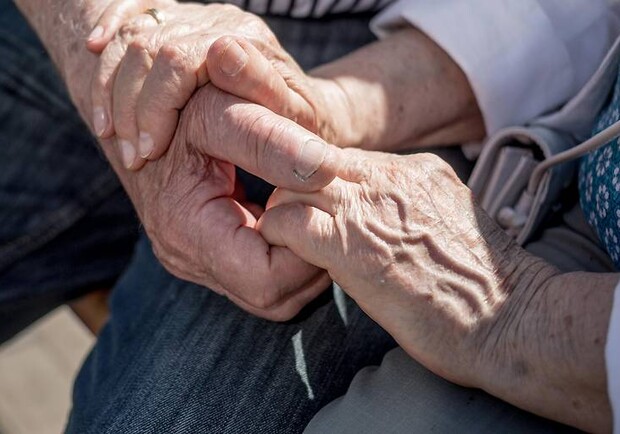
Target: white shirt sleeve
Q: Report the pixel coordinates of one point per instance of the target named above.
(522, 57)
(612, 356)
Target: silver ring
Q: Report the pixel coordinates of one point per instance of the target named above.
(156, 14)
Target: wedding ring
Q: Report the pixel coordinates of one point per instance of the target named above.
(156, 14)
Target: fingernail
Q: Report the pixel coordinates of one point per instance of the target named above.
(145, 145)
(100, 120)
(96, 33)
(233, 59)
(311, 156)
(128, 153)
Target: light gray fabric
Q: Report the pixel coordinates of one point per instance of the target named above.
(572, 245)
(401, 396)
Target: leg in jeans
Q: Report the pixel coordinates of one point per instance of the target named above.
(176, 357)
(65, 223)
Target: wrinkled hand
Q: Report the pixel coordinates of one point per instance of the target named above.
(147, 72)
(403, 237)
(200, 233)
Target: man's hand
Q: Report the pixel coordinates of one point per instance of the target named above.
(200, 232)
(369, 99)
(186, 199)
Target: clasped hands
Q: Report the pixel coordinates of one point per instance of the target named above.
(210, 88)
(159, 92)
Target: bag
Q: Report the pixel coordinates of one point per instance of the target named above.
(521, 173)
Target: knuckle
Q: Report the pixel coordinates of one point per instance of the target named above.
(101, 83)
(128, 30)
(263, 298)
(273, 132)
(430, 161)
(123, 125)
(158, 250)
(254, 25)
(433, 166)
(260, 131)
(172, 57)
(137, 46)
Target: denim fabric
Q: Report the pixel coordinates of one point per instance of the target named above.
(176, 357)
(55, 189)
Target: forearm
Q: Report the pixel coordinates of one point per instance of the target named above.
(401, 92)
(63, 27)
(537, 338)
(546, 353)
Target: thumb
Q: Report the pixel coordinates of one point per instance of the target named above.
(259, 141)
(238, 67)
(308, 232)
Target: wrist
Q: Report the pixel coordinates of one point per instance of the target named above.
(543, 350)
(502, 338)
(401, 92)
(335, 117)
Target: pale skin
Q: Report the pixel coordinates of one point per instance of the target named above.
(362, 100)
(180, 235)
(200, 227)
(403, 236)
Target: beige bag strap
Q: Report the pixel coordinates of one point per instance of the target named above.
(514, 218)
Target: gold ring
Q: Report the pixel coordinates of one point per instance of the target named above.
(156, 14)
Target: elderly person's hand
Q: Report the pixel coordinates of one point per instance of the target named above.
(404, 237)
(148, 70)
(200, 227)
(367, 99)
(200, 232)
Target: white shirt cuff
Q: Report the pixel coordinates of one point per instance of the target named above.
(522, 57)
(612, 356)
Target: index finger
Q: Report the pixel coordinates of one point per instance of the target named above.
(112, 18)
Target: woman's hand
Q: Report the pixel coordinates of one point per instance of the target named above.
(403, 237)
(149, 70)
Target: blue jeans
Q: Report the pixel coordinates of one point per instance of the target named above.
(174, 356)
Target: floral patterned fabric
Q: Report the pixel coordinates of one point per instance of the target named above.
(599, 181)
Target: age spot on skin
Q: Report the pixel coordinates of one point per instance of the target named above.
(568, 321)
